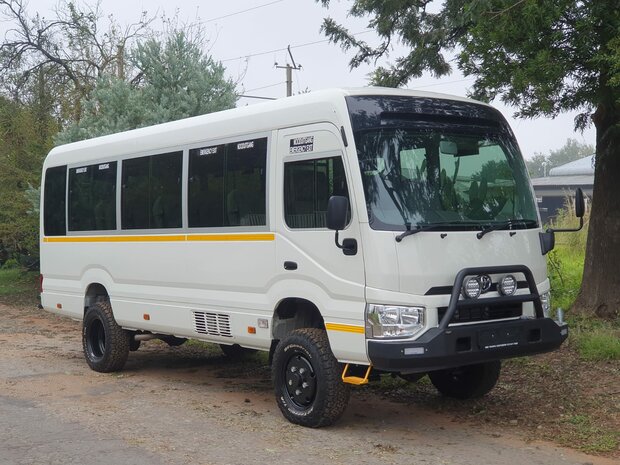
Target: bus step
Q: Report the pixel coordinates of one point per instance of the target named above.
(356, 380)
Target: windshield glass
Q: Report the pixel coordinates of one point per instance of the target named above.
(416, 177)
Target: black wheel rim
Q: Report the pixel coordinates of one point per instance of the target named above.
(300, 381)
(95, 339)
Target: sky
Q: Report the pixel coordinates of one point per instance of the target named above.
(250, 36)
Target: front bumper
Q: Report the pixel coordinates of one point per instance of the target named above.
(454, 346)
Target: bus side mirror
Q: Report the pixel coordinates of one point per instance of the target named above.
(337, 212)
(547, 238)
(337, 209)
(580, 207)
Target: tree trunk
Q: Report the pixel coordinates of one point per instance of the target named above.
(600, 289)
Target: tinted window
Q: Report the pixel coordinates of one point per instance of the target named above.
(245, 183)
(308, 185)
(92, 197)
(206, 186)
(54, 201)
(151, 196)
(227, 184)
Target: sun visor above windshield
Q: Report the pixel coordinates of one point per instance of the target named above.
(370, 111)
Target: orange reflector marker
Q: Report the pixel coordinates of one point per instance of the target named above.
(146, 316)
(251, 330)
(58, 306)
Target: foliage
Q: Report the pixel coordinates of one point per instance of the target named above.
(176, 80)
(572, 150)
(542, 57)
(593, 339)
(13, 281)
(88, 73)
(25, 138)
(565, 262)
(59, 60)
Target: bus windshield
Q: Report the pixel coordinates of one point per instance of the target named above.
(464, 180)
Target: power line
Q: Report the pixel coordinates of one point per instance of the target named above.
(256, 96)
(242, 11)
(286, 48)
(265, 87)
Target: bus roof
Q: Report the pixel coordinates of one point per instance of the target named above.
(313, 107)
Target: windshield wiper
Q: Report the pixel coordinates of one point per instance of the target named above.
(505, 225)
(434, 227)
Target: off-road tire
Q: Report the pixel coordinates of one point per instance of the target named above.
(308, 348)
(235, 351)
(467, 382)
(106, 345)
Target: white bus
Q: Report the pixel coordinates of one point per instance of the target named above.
(348, 232)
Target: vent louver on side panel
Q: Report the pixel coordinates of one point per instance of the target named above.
(213, 324)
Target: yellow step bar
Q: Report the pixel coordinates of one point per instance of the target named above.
(356, 380)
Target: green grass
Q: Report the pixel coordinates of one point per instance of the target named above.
(590, 437)
(594, 339)
(565, 265)
(599, 344)
(15, 281)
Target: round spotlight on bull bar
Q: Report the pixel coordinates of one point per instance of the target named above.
(472, 288)
(508, 285)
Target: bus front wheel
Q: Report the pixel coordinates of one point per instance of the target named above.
(306, 378)
(106, 345)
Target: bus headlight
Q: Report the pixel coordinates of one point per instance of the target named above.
(545, 300)
(392, 321)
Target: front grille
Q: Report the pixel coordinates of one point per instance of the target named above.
(213, 324)
(483, 313)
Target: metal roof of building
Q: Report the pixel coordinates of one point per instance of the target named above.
(577, 180)
(583, 166)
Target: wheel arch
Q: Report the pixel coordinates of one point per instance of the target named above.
(293, 313)
(95, 292)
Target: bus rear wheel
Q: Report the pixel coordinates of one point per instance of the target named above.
(306, 378)
(467, 382)
(106, 345)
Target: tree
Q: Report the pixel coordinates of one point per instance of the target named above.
(65, 55)
(175, 80)
(572, 150)
(542, 57)
(25, 138)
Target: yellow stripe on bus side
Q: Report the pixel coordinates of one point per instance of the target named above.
(232, 237)
(171, 238)
(345, 328)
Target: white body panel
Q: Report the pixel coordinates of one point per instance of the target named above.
(238, 271)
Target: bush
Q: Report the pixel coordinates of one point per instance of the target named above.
(565, 262)
(10, 264)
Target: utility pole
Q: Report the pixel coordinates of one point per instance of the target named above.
(289, 72)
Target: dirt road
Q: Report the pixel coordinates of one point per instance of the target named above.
(190, 405)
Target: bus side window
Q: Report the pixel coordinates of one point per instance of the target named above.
(92, 197)
(54, 192)
(151, 194)
(308, 185)
(227, 184)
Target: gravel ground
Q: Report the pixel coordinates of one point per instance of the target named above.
(190, 405)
